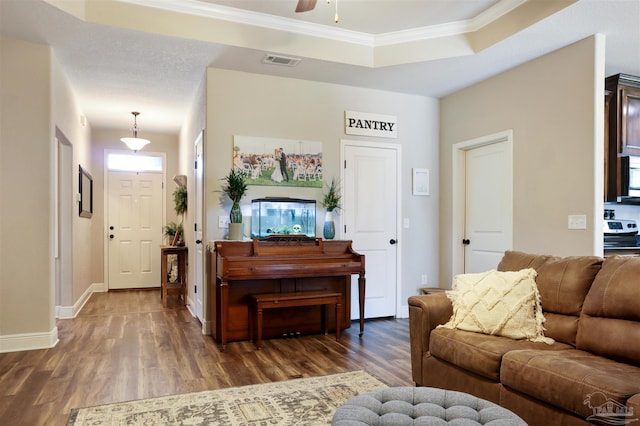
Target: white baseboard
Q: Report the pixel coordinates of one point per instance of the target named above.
(28, 341)
(206, 328)
(206, 325)
(403, 311)
(190, 305)
(68, 312)
(32, 341)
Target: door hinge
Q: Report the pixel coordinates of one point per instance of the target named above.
(195, 227)
(345, 164)
(195, 165)
(195, 289)
(345, 229)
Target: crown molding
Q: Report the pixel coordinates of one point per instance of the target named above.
(247, 17)
(263, 20)
(451, 28)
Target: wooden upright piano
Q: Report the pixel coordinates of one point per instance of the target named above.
(281, 264)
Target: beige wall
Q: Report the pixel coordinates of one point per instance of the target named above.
(257, 105)
(67, 118)
(25, 155)
(551, 104)
(36, 100)
(109, 139)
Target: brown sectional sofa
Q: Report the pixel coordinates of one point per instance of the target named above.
(591, 374)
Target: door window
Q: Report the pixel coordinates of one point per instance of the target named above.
(134, 162)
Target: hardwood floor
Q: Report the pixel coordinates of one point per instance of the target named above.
(125, 345)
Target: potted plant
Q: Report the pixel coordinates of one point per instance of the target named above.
(235, 188)
(331, 202)
(171, 229)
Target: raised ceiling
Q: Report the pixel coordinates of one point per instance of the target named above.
(151, 55)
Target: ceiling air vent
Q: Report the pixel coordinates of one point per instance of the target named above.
(281, 60)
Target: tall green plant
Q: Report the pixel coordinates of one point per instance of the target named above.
(331, 199)
(235, 188)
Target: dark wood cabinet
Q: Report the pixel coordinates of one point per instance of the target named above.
(239, 269)
(622, 127)
(610, 155)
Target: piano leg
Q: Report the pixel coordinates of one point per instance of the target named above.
(361, 288)
(224, 314)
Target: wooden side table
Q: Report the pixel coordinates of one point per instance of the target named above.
(179, 286)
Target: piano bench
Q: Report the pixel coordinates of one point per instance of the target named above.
(259, 302)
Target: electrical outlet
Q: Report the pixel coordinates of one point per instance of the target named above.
(223, 221)
(424, 280)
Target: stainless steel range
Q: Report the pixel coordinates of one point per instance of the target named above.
(620, 233)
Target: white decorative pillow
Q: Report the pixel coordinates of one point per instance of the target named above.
(498, 303)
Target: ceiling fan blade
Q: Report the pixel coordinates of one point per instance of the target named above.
(305, 5)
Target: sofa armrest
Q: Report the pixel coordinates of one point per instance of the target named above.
(426, 312)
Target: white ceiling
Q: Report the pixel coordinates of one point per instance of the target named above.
(120, 60)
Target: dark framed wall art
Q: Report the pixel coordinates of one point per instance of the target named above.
(85, 188)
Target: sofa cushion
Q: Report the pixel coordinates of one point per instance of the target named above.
(498, 303)
(610, 321)
(573, 380)
(563, 283)
(479, 353)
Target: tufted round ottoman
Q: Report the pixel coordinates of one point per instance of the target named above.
(401, 406)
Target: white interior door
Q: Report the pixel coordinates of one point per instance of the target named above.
(134, 229)
(370, 219)
(199, 255)
(488, 201)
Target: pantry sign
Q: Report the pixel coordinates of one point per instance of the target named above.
(365, 124)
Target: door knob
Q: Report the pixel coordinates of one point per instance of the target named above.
(111, 236)
(466, 242)
(392, 241)
(198, 241)
(111, 227)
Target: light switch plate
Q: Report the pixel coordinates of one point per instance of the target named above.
(577, 221)
(223, 221)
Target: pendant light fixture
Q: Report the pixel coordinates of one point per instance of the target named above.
(135, 143)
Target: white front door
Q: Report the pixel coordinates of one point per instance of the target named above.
(134, 225)
(199, 255)
(488, 206)
(370, 221)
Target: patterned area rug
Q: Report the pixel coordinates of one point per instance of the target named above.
(308, 401)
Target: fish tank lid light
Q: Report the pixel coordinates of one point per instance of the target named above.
(283, 199)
